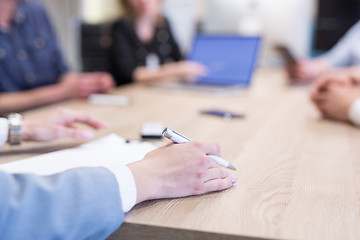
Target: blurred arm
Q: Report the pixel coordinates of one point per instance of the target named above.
(19, 101)
(184, 71)
(341, 54)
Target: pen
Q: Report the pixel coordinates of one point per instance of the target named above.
(179, 138)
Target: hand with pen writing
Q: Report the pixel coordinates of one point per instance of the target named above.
(179, 170)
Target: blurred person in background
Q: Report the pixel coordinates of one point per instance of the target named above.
(345, 53)
(33, 71)
(144, 49)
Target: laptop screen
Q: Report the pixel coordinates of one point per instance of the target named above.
(230, 59)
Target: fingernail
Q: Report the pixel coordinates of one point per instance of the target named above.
(234, 180)
(87, 135)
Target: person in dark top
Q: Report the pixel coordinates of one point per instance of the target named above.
(32, 69)
(144, 48)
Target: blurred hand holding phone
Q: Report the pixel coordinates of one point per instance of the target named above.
(287, 55)
(299, 72)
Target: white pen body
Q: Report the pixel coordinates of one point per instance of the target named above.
(219, 160)
(175, 136)
(179, 138)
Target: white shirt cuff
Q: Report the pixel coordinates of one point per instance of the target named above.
(4, 131)
(127, 186)
(354, 112)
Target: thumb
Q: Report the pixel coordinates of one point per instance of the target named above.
(64, 132)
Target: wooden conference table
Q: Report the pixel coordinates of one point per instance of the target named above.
(298, 175)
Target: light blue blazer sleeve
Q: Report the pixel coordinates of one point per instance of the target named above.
(347, 51)
(78, 204)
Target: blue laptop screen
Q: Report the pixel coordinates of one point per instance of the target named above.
(230, 59)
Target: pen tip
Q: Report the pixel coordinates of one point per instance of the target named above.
(232, 167)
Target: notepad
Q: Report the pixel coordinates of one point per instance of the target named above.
(108, 151)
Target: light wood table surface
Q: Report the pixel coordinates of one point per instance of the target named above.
(298, 175)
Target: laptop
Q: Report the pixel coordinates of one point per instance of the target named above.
(230, 59)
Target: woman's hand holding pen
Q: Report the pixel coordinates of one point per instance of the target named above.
(179, 170)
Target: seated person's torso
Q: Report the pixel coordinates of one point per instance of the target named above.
(29, 53)
(129, 52)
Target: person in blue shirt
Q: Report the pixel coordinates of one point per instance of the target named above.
(90, 203)
(33, 71)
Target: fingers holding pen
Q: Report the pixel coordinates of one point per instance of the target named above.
(208, 148)
(219, 184)
(212, 180)
(215, 173)
(180, 170)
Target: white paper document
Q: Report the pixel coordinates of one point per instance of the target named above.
(111, 150)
